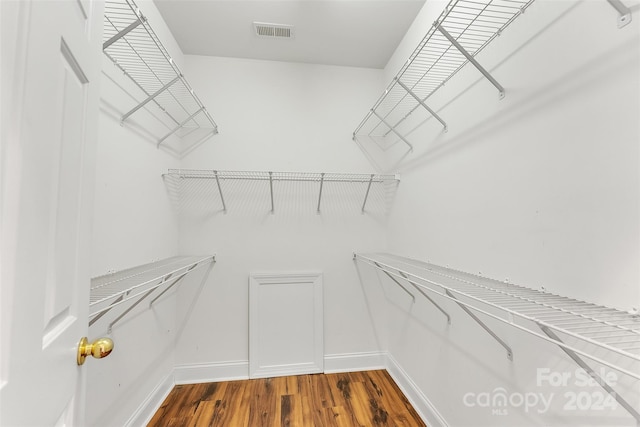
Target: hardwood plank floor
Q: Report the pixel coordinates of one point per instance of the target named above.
(354, 399)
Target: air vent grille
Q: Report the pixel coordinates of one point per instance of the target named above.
(265, 30)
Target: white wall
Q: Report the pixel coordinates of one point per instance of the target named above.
(134, 224)
(280, 117)
(541, 188)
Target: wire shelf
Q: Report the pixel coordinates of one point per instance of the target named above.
(114, 289)
(282, 190)
(463, 29)
(605, 335)
(281, 176)
(132, 45)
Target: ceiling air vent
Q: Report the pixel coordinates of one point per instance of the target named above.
(280, 31)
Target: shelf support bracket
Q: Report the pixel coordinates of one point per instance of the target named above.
(320, 195)
(624, 11)
(470, 58)
(593, 374)
(392, 129)
(149, 98)
(366, 196)
(482, 324)
(413, 298)
(99, 315)
(224, 206)
(132, 306)
(421, 102)
(171, 285)
(179, 126)
(124, 32)
(424, 294)
(271, 190)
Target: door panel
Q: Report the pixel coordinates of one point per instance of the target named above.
(285, 324)
(47, 184)
(62, 282)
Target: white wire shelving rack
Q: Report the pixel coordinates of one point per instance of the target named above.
(273, 179)
(138, 283)
(462, 30)
(582, 330)
(132, 45)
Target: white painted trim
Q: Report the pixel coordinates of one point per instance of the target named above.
(268, 371)
(152, 403)
(211, 372)
(353, 362)
(316, 365)
(334, 363)
(420, 402)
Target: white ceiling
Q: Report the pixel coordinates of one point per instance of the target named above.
(358, 33)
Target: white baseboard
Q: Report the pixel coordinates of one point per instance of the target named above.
(211, 372)
(353, 362)
(148, 408)
(333, 363)
(420, 402)
(270, 371)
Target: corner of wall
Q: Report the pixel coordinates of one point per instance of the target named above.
(150, 405)
(417, 398)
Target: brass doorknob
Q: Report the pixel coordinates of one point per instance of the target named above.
(100, 348)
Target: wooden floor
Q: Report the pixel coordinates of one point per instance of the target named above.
(369, 398)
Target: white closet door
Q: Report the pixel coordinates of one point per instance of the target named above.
(285, 324)
(49, 121)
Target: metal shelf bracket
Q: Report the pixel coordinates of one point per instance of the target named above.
(177, 128)
(580, 362)
(413, 298)
(482, 324)
(131, 307)
(99, 315)
(421, 102)
(366, 196)
(271, 191)
(424, 294)
(149, 98)
(139, 283)
(625, 13)
(320, 194)
(392, 129)
(224, 205)
(146, 294)
(470, 58)
(141, 19)
(172, 284)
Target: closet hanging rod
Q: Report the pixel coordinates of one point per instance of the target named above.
(522, 328)
(281, 176)
(522, 293)
(609, 317)
(117, 288)
(462, 30)
(384, 262)
(610, 334)
(131, 44)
